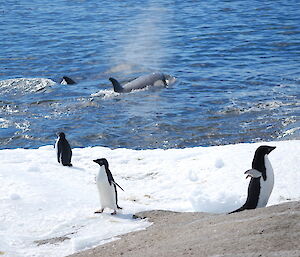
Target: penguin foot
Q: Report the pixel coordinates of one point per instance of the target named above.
(68, 164)
(99, 211)
(120, 208)
(114, 213)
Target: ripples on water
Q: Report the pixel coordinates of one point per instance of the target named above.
(236, 64)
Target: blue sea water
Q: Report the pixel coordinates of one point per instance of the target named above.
(236, 63)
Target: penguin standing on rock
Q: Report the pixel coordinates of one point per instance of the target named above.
(107, 187)
(262, 180)
(63, 150)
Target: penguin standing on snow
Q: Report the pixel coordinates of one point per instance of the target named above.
(107, 187)
(63, 150)
(262, 180)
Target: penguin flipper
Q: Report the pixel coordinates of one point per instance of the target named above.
(109, 177)
(253, 173)
(115, 183)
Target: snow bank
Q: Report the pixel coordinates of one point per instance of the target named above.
(40, 199)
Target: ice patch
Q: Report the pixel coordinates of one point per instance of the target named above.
(83, 243)
(215, 202)
(193, 176)
(219, 163)
(15, 197)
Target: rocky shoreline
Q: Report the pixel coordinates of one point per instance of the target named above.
(271, 231)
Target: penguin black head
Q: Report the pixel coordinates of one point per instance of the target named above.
(61, 135)
(264, 149)
(258, 162)
(102, 162)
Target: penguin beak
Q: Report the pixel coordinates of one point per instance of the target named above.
(271, 148)
(95, 161)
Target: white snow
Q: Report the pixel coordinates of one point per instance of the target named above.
(40, 199)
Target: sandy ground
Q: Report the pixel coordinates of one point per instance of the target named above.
(271, 231)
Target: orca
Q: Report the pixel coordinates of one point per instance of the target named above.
(153, 79)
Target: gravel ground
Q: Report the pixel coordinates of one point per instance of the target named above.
(271, 231)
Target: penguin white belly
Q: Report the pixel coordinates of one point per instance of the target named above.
(106, 191)
(266, 186)
(56, 145)
(56, 149)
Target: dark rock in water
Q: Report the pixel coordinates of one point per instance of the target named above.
(67, 81)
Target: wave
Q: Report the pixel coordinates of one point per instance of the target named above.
(24, 85)
(256, 107)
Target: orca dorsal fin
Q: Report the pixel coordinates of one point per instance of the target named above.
(67, 81)
(117, 86)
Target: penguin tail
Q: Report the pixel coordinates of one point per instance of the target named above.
(117, 86)
(238, 210)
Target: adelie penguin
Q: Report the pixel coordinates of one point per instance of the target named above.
(107, 187)
(262, 180)
(63, 150)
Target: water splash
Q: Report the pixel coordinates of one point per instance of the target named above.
(142, 42)
(24, 85)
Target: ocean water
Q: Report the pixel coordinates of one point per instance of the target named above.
(236, 63)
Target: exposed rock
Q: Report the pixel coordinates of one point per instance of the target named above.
(272, 231)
